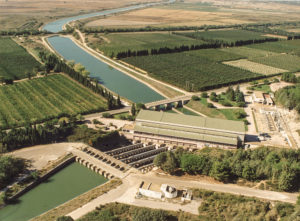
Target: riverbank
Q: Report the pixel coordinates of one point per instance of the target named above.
(78, 202)
(167, 91)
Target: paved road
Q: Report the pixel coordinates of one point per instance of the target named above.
(126, 192)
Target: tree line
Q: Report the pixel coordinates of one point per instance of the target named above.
(52, 62)
(281, 167)
(267, 30)
(23, 32)
(33, 135)
(289, 97)
(211, 43)
(182, 28)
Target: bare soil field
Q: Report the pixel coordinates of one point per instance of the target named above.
(41, 155)
(21, 14)
(163, 17)
(254, 67)
(202, 12)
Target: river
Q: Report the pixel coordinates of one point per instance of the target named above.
(111, 78)
(68, 183)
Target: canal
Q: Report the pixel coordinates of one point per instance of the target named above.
(57, 25)
(111, 78)
(68, 183)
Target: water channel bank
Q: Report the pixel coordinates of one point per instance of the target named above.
(111, 78)
(68, 183)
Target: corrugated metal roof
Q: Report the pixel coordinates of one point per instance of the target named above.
(191, 121)
(186, 135)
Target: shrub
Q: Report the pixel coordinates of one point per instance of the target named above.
(210, 105)
(195, 98)
(107, 115)
(204, 95)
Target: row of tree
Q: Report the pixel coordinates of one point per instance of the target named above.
(280, 166)
(183, 28)
(290, 77)
(33, 135)
(23, 32)
(211, 44)
(268, 30)
(289, 97)
(52, 62)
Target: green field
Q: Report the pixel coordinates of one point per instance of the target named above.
(45, 98)
(194, 70)
(283, 61)
(116, 43)
(14, 60)
(290, 47)
(225, 35)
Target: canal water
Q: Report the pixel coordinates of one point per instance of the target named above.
(68, 183)
(111, 78)
(114, 80)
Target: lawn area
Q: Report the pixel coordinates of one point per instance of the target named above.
(15, 60)
(116, 42)
(186, 111)
(41, 99)
(228, 113)
(228, 36)
(202, 108)
(121, 116)
(193, 70)
(261, 87)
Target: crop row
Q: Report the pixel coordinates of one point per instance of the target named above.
(41, 99)
(14, 60)
(192, 71)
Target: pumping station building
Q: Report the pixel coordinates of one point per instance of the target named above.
(187, 131)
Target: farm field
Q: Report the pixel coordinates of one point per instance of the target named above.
(191, 72)
(32, 14)
(225, 35)
(254, 67)
(15, 60)
(197, 13)
(115, 43)
(285, 61)
(246, 52)
(41, 99)
(290, 47)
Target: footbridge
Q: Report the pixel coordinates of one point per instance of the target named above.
(180, 100)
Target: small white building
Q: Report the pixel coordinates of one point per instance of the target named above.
(150, 190)
(168, 191)
(258, 97)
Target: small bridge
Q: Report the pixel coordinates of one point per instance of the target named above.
(181, 100)
(101, 163)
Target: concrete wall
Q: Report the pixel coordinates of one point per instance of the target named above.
(150, 193)
(43, 178)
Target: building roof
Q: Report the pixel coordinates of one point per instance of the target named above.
(258, 94)
(181, 120)
(186, 135)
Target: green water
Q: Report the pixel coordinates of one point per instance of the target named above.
(111, 78)
(68, 183)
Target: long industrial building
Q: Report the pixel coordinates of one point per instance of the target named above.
(187, 131)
